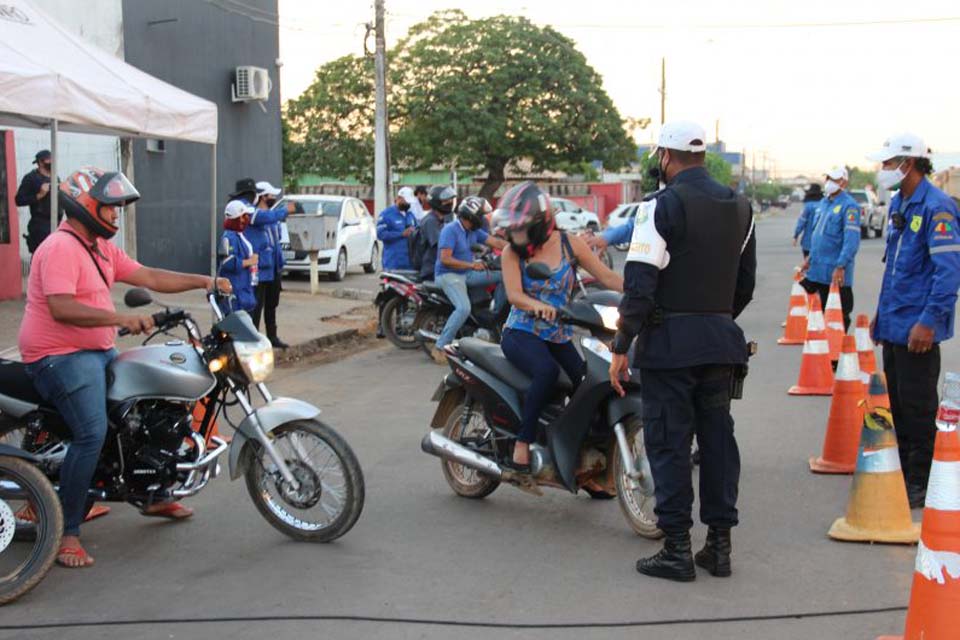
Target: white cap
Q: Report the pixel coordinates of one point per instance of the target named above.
(264, 188)
(681, 135)
(903, 144)
(407, 194)
(236, 208)
(837, 173)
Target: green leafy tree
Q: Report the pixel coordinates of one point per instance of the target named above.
(718, 168)
(859, 179)
(480, 94)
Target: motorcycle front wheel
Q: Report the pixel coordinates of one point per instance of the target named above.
(398, 320)
(636, 495)
(330, 495)
(26, 492)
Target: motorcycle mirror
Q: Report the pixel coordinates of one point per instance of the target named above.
(539, 271)
(137, 298)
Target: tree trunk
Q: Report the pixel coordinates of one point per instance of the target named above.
(495, 178)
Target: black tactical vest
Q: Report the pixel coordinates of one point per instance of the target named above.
(702, 274)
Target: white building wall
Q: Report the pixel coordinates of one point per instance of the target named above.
(100, 22)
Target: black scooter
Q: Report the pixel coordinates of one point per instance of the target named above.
(587, 436)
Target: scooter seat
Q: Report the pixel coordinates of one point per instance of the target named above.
(15, 383)
(490, 357)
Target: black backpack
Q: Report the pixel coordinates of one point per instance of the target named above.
(416, 247)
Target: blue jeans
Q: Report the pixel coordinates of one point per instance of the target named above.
(76, 384)
(456, 286)
(542, 361)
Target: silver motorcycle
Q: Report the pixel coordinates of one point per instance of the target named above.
(165, 405)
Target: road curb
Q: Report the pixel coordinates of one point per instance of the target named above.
(348, 293)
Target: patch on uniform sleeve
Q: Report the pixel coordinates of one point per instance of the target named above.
(915, 223)
(943, 231)
(646, 244)
(943, 215)
(854, 215)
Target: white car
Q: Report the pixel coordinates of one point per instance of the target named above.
(572, 217)
(351, 236)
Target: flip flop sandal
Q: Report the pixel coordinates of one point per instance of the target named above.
(74, 552)
(168, 512)
(96, 511)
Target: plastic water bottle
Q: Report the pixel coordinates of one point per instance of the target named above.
(948, 415)
(254, 275)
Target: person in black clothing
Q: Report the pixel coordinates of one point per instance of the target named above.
(441, 202)
(34, 192)
(690, 271)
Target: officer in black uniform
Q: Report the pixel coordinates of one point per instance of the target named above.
(690, 271)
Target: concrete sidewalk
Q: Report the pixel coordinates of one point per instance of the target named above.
(305, 322)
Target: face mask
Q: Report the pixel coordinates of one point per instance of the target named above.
(404, 207)
(47, 165)
(831, 187)
(446, 207)
(890, 178)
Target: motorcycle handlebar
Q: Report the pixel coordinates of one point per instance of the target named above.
(161, 320)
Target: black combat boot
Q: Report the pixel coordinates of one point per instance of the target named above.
(715, 555)
(673, 562)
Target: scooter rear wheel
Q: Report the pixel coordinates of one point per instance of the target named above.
(466, 482)
(636, 496)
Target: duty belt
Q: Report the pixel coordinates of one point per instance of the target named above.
(681, 314)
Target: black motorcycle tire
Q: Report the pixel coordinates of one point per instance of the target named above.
(642, 526)
(49, 529)
(484, 485)
(391, 313)
(431, 319)
(354, 485)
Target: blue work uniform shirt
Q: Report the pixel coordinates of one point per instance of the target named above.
(806, 223)
(922, 267)
(454, 236)
(390, 227)
(263, 233)
(836, 239)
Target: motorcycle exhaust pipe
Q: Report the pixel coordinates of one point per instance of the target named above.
(427, 336)
(443, 447)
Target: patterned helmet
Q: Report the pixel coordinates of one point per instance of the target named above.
(474, 208)
(89, 189)
(526, 217)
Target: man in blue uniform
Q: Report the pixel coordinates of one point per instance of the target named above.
(395, 224)
(808, 218)
(918, 300)
(836, 240)
(690, 271)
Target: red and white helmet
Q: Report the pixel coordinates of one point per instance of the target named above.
(89, 189)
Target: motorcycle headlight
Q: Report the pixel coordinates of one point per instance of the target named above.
(255, 358)
(609, 315)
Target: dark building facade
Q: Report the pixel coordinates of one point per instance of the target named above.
(197, 46)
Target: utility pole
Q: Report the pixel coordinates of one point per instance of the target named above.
(663, 91)
(716, 132)
(381, 142)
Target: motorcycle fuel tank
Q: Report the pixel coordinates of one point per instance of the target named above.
(173, 370)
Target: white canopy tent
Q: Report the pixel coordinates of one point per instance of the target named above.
(51, 78)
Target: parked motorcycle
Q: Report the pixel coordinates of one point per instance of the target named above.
(164, 403)
(588, 435)
(397, 305)
(28, 548)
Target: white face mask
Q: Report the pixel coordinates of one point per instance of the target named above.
(831, 187)
(890, 178)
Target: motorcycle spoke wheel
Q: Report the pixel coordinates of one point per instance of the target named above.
(399, 323)
(431, 321)
(27, 502)
(635, 496)
(465, 481)
(330, 495)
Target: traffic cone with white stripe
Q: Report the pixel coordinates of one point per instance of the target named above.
(878, 510)
(833, 313)
(816, 375)
(846, 416)
(935, 596)
(796, 325)
(865, 352)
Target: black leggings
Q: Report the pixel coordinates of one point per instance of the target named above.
(541, 360)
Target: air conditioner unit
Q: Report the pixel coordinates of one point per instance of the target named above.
(251, 83)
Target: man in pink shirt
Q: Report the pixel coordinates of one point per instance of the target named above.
(70, 325)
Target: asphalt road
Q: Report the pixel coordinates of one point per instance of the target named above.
(420, 553)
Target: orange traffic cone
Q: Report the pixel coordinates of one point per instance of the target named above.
(878, 510)
(868, 359)
(846, 416)
(816, 375)
(833, 313)
(935, 596)
(796, 325)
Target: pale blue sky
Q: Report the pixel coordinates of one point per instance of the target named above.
(778, 78)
